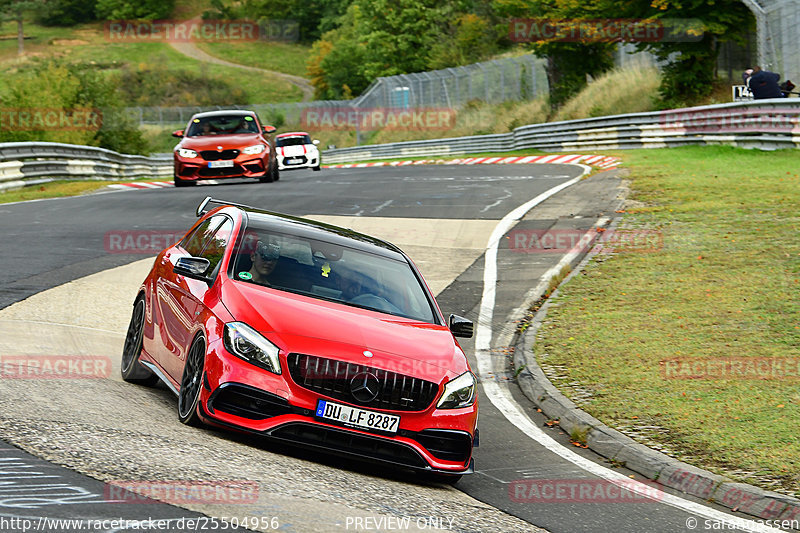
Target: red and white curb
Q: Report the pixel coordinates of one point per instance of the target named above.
(598, 161)
(142, 185)
(153, 184)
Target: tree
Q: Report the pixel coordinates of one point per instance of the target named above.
(66, 12)
(134, 9)
(15, 10)
(691, 68)
(568, 63)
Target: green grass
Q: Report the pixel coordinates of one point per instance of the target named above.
(87, 43)
(55, 189)
(725, 284)
(604, 96)
(289, 58)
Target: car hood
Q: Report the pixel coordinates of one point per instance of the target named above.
(211, 142)
(300, 324)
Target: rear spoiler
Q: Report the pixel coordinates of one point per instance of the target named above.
(201, 209)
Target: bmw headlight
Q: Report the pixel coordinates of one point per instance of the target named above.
(243, 341)
(459, 392)
(253, 150)
(185, 152)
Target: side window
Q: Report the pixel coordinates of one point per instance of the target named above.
(215, 246)
(197, 240)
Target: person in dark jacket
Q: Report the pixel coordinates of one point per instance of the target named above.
(764, 84)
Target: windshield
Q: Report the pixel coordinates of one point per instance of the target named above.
(294, 140)
(330, 272)
(222, 125)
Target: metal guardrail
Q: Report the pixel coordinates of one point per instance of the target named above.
(32, 163)
(764, 124)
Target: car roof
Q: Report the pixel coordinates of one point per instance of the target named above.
(313, 229)
(291, 134)
(225, 112)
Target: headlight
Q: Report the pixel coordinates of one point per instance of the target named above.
(253, 150)
(245, 342)
(185, 152)
(459, 392)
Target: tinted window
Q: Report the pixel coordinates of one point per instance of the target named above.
(197, 240)
(215, 246)
(295, 140)
(222, 125)
(331, 272)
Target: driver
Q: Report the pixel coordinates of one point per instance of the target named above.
(265, 259)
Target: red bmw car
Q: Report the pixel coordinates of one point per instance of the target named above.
(308, 334)
(225, 144)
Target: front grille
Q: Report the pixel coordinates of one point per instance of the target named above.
(350, 442)
(214, 155)
(247, 402)
(446, 444)
(206, 172)
(332, 378)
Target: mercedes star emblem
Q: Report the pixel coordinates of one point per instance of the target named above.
(365, 387)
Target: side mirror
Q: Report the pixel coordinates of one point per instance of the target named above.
(193, 267)
(269, 129)
(178, 134)
(461, 327)
(315, 141)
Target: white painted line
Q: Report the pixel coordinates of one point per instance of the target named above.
(501, 398)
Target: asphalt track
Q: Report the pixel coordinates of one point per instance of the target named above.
(48, 243)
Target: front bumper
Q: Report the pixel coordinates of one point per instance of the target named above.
(244, 166)
(300, 161)
(241, 396)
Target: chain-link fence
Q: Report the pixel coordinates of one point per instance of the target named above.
(500, 80)
(778, 27)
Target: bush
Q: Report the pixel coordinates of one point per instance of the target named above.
(66, 89)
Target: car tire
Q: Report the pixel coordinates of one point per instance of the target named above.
(183, 183)
(192, 383)
(317, 168)
(269, 175)
(276, 174)
(131, 369)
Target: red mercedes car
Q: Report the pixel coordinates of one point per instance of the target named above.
(308, 334)
(225, 144)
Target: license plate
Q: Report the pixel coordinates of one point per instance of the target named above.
(355, 417)
(293, 161)
(220, 164)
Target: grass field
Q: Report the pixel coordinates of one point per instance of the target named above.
(289, 58)
(634, 338)
(88, 43)
(55, 189)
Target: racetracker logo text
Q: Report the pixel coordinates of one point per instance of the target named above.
(50, 119)
(734, 368)
(54, 366)
(128, 31)
(582, 491)
(605, 30)
(140, 242)
(182, 492)
(575, 240)
(377, 118)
